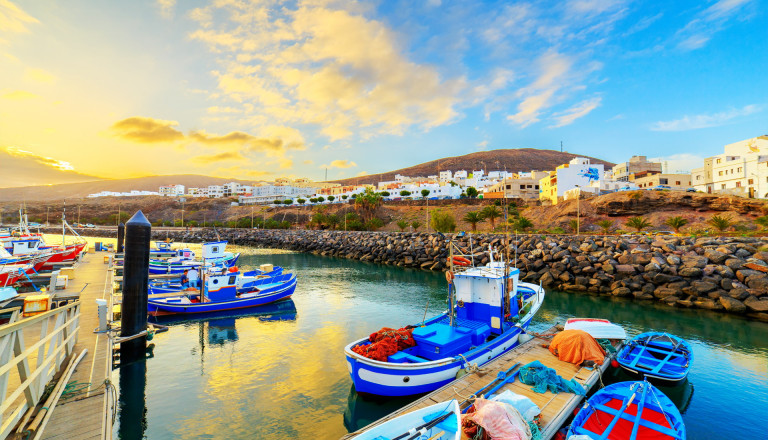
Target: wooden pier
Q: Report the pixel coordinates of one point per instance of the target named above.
(37, 349)
(89, 415)
(555, 408)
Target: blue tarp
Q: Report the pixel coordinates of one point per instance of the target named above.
(544, 378)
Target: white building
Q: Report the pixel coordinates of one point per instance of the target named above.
(741, 170)
(266, 194)
(215, 191)
(579, 172)
(446, 176)
(172, 190)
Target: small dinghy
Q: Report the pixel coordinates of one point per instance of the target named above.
(657, 356)
(597, 328)
(437, 422)
(628, 411)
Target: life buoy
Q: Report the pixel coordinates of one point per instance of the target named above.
(233, 269)
(461, 261)
(449, 276)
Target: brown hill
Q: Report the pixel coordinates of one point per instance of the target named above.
(82, 189)
(513, 160)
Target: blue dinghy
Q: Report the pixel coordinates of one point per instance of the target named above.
(245, 280)
(214, 255)
(441, 421)
(657, 356)
(629, 411)
(489, 310)
(220, 292)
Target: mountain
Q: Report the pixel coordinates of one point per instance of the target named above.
(513, 160)
(82, 189)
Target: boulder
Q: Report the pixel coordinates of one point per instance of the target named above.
(694, 261)
(740, 294)
(757, 267)
(663, 292)
(732, 305)
(756, 305)
(703, 286)
(691, 272)
(734, 263)
(715, 256)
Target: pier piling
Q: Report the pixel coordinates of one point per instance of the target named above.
(138, 232)
(120, 237)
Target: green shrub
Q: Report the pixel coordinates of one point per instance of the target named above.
(442, 221)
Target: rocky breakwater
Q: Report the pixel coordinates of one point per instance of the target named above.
(728, 274)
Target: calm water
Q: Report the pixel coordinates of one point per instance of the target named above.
(282, 374)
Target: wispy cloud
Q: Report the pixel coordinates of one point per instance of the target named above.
(23, 168)
(39, 75)
(577, 111)
(694, 122)
(340, 163)
(220, 157)
(553, 68)
(697, 33)
(166, 8)
(13, 18)
(19, 95)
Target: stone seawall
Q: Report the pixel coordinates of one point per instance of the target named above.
(728, 274)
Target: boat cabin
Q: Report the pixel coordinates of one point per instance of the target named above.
(214, 250)
(221, 287)
(26, 246)
(481, 294)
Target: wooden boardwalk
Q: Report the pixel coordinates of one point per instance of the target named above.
(88, 415)
(555, 408)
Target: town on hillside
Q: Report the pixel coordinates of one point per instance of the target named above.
(741, 170)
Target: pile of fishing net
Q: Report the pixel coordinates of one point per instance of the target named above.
(544, 378)
(576, 347)
(386, 342)
(491, 420)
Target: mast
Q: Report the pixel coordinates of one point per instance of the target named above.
(450, 283)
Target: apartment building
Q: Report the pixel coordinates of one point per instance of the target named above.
(579, 172)
(741, 170)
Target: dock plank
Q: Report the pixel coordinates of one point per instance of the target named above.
(555, 408)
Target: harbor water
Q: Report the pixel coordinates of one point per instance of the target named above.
(280, 372)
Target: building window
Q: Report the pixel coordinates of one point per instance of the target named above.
(663, 181)
(751, 182)
(522, 186)
(722, 186)
(719, 173)
(718, 160)
(677, 183)
(529, 186)
(536, 186)
(738, 184)
(738, 170)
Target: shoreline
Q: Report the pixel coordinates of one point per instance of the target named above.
(727, 274)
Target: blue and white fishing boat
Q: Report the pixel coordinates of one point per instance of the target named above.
(245, 280)
(214, 255)
(629, 411)
(441, 421)
(489, 310)
(164, 249)
(219, 292)
(657, 356)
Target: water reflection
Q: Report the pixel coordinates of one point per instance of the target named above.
(362, 410)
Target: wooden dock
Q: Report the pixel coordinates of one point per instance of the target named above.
(555, 408)
(88, 415)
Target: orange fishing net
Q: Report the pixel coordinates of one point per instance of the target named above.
(576, 346)
(386, 342)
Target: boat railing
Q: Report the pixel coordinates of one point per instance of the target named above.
(25, 371)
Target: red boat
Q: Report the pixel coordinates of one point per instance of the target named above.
(11, 273)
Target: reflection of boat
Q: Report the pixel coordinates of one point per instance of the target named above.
(362, 409)
(658, 356)
(629, 410)
(440, 421)
(680, 393)
(489, 311)
(220, 292)
(279, 311)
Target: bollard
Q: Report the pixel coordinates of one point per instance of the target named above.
(120, 237)
(138, 232)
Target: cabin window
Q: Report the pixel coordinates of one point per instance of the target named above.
(232, 279)
(30, 245)
(215, 281)
(215, 249)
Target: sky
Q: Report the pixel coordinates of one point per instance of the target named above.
(262, 89)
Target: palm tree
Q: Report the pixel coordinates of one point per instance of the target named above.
(762, 221)
(473, 218)
(416, 225)
(721, 223)
(676, 223)
(491, 213)
(521, 224)
(606, 225)
(638, 223)
(332, 221)
(402, 224)
(574, 225)
(368, 201)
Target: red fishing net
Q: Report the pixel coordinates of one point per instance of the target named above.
(386, 342)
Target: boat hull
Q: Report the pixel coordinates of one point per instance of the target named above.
(179, 268)
(265, 297)
(449, 429)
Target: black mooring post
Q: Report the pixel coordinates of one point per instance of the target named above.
(120, 237)
(138, 232)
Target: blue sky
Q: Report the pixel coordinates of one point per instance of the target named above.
(258, 90)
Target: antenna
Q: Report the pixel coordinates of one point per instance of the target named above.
(561, 146)
(326, 174)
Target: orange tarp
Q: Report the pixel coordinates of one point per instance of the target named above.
(576, 346)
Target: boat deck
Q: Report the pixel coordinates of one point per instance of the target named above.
(555, 408)
(88, 416)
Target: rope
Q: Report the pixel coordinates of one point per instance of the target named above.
(469, 368)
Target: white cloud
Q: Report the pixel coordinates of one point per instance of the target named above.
(697, 33)
(695, 122)
(166, 8)
(577, 111)
(340, 163)
(682, 163)
(553, 69)
(482, 146)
